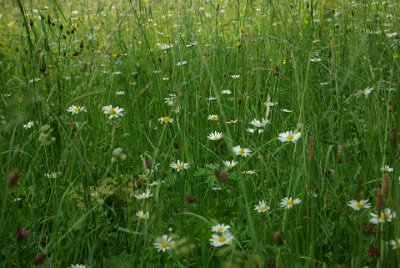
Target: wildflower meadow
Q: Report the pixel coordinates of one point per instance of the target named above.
(199, 133)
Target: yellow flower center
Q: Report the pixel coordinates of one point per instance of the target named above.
(289, 137)
(290, 202)
(221, 239)
(179, 166)
(166, 119)
(382, 217)
(220, 229)
(263, 208)
(241, 151)
(359, 205)
(77, 109)
(164, 244)
(112, 111)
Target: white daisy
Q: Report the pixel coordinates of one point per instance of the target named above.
(387, 169)
(289, 202)
(232, 121)
(230, 164)
(395, 244)
(213, 117)
(261, 207)
(181, 63)
(245, 152)
(76, 109)
(215, 136)
(384, 216)
(141, 215)
(291, 136)
(259, 123)
(219, 240)
(112, 111)
(179, 165)
(77, 266)
(220, 228)
(365, 92)
(164, 243)
(357, 205)
(29, 125)
(165, 120)
(144, 195)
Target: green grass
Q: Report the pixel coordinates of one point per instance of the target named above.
(313, 58)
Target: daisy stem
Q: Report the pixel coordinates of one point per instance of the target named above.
(288, 194)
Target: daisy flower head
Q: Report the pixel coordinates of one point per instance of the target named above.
(215, 136)
(270, 104)
(144, 195)
(164, 47)
(76, 109)
(387, 169)
(181, 63)
(385, 215)
(358, 205)
(192, 44)
(261, 207)
(259, 123)
(166, 120)
(395, 244)
(226, 92)
(112, 112)
(230, 164)
(77, 266)
(220, 228)
(232, 121)
(255, 130)
(291, 136)
(289, 202)
(245, 152)
(219, 240)
(249, 172)
(365, 92)
(213, 117)
(164, 243)
(170, 101)
(179, 165)
(29, 125)
(235, 76)
(141, 215)
(120, 92)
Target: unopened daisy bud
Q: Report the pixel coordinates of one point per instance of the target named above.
(385, 185)
(148, 164)
(39, 258)
(13, 178)
(278, 237)
(373, 251)
(190, 199)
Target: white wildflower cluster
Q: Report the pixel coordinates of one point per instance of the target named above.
(221, 235)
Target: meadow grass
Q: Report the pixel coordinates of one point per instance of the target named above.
(118, 119)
